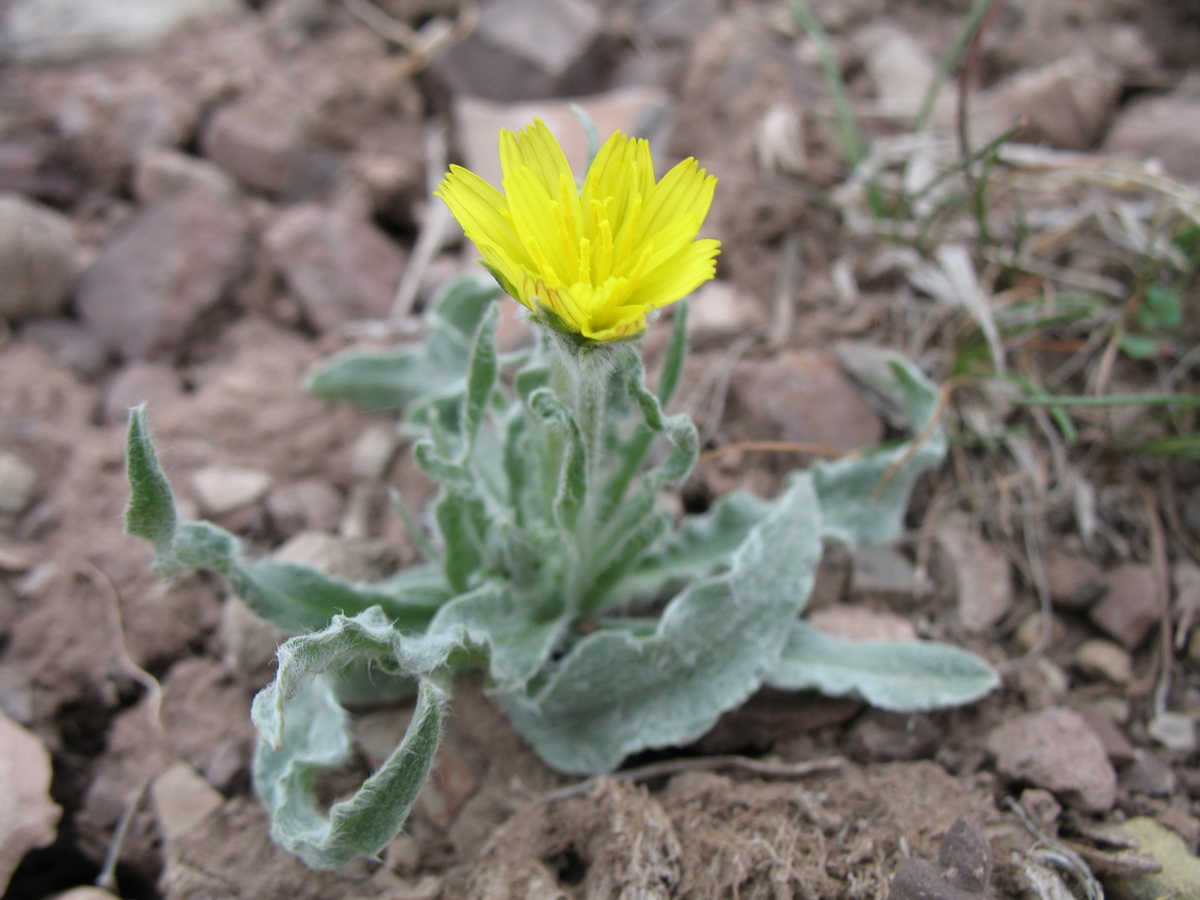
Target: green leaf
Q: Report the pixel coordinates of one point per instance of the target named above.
(150, 513)
(314, 735)
(1139, 346)
(904, 676)
(481, 379)
(618, 692)
(672, 366)
(463, 523)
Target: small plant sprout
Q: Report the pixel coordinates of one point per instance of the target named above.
(603, 624)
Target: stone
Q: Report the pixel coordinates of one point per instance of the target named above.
(352, 559)
(528, 48)
(979, 573)
(69, 342)
(856, 623)
(1104, 659)
(182, 799)
(223, 489)
(30, 817)
(1072, 580)
(174, 262)
(1055, 749)
(1116, 745)
(1067, 103)
(901, 72)
(1165, 128)
(155, 384)
(373, 451)
(86, 893)
(882, 572)
(340, 267)
(248, 644)
(37, 257)
(17, 482)
(1128, 610)
(1147, 774)
(1180, 875)
(1031, 632)
(306, 504)
(161, 173)
(718, 311)
(881, 736)
(801, 397)
(962, 871)
(72, 30)
(1175, 731)
(263, 140)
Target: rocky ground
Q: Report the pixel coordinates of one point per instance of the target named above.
(192, 215)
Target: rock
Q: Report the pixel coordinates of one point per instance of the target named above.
(528, 48)
(173, 263)
(1175, 731)
(263, 139)
(720, 312)
(17, 481)
(883, 572)
(86, 893)
(373, 452)
(223, 489)
(340, 267)
(37, 257)
(354, 560)
(803, 397)
(1104, 659)
(856, 623)
(72, 30)
(1163, 128)
(1180, 875)
(1030, 632)
(901, 72)
(70, 343)
(249, 644)
(962, 871)
(307, 504)
(1066, 103)
(30, 816)
(478, 122)
(1128, 610)
(980, 575)
(1147, 774)
(1116, 745)
(1055, 749)
(155, 384)
(880, 736)
(161, 173)
(1072, 580)
(182, 800)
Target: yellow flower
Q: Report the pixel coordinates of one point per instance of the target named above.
(591, 262)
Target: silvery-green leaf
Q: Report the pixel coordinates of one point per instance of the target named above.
(481, 378)
(616, 693)
(905, 676)
(316, 737)
(495, 618)
(408, 378)
(864, 497)
(672, 366)
(289, 595)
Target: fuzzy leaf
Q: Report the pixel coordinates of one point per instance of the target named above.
(481, 378)
(150, 513)
(904, 676)
(616, 693)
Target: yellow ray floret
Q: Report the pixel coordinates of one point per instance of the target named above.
(593, 261)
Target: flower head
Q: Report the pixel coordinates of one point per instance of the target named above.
(594, 261)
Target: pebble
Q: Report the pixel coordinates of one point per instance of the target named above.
(340, 267)
(880, 736)
(373, 451)
(962, 871)
(1147, 774)
(70, 343)
(155, 384)
(857, 623)
(1055, 749)
(172, 263)
(248, 643)
(1175, 731)
(85, 893)
(1164, 128)
(17, 482)
(1128, 611)
(1180, 875)
(73, 30)
(1072, 580)
(307, 504)
(884, 572)
(161, 173)
(37, 257)
(1098, 659)
(1029, 633)
(1116, 745)
(30, 816)
(980, 574)
(223, 489)
(719, 311)
(800, 396)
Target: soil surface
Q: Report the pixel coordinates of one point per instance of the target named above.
(196, 221)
